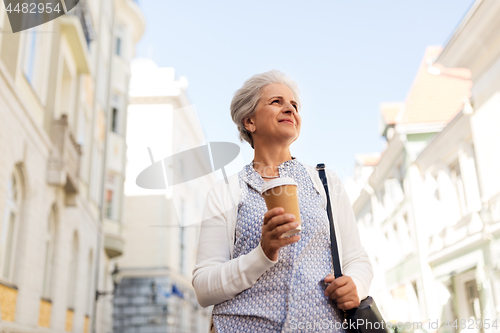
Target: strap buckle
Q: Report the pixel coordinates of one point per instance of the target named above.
(320, 166)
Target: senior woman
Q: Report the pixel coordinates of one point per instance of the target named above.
(257, 280)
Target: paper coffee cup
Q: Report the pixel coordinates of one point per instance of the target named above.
(282, 192)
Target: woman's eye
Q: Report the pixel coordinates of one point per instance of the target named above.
(275, 101)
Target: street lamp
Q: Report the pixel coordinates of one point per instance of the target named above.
(114, 276)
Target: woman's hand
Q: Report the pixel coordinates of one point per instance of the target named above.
(343, 291)
(275, 224)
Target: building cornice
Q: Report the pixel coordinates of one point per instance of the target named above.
(420, 128)
(452, 41)
(457, 130)
(388, 158)
(154, 100)
(476, 42)
(131, 10)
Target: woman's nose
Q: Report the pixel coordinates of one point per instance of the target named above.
(289, 108)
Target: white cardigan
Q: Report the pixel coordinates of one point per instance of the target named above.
(217, 277)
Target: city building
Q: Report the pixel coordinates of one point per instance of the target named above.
(442, 258)
(466, 255)
(61, 143)
(161, 225)
(389, 206)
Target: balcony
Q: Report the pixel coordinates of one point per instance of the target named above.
(82, 13)
(64, 162)
(78, 33)
(467, 232)
(114, 243)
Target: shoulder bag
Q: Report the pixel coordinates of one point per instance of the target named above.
(366, 318)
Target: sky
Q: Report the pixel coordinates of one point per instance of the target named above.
(347, 57)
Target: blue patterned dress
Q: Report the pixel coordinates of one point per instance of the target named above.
(290, 295)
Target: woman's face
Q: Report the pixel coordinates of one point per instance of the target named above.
(276, 116)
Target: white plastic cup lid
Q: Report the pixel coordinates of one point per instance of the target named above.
(278, 182)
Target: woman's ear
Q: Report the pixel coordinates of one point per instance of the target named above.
(249, 125)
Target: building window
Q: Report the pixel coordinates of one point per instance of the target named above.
(473, 303)
(118, 49)
(395, 190)
(406, 224)
(30, 55)
(73, 265)
(10, 227)
(109, 203)
(458, 183)
(415, 288)
(82, 128)
(90, 294)
(114, 120)
(436, 192)
(49, 254)
(66, 97)
(110, 198)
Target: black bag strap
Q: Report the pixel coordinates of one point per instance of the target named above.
(333, 239)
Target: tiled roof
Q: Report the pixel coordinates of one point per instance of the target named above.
(370, 159)
(389, 111)
(435, 98)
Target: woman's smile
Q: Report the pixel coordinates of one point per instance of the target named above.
(287, 121)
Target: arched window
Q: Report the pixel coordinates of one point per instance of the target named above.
(10, 227)
(73, 264)
(50, 237)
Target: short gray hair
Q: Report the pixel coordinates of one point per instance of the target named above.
(246, 98)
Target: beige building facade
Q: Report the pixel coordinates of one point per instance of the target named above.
(433, 200)
(59, 83)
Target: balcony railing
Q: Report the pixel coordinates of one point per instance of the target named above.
(64, 162)
(81, 11)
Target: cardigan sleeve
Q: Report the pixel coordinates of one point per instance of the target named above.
(355, 260)
(216, 277)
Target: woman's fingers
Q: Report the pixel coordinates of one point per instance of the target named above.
(329, 278)
(343, 291)
(280, 230)
(348, 305)
(339, 293)
(279, 243)
(272, 246)
(276, 221)
(273, 212)
(336, 283)
(346, 298)
(290, 240)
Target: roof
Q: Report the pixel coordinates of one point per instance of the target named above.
(435, 97)
(389, 111)
(370, 159)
